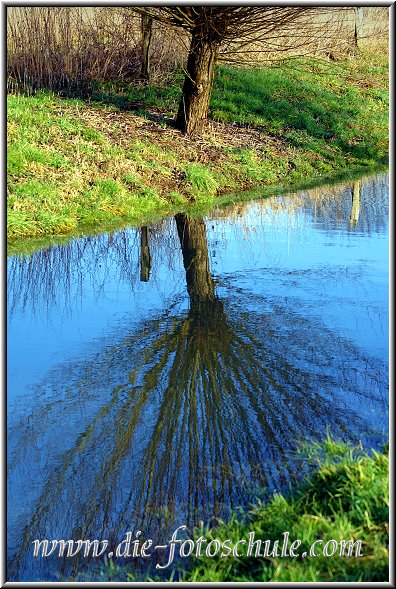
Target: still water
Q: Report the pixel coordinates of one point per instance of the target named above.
(160, 376)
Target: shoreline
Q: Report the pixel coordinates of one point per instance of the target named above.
(27, 245)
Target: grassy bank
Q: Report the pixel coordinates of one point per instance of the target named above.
(345, 497)
(75, 165)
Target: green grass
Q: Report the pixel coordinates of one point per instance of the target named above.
(324, 107)
(344, 497)
(75, 165)
(324, 110)
(64, 175)
(201, 179)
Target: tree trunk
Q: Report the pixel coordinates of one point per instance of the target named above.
(359, 19)
(147, 26)
(192, 235)
(194, 104)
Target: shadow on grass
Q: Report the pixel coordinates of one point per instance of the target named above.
(157, 103)
(310, 111)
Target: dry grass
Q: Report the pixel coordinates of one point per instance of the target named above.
(74, 48)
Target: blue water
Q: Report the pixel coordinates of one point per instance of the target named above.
(130, 407)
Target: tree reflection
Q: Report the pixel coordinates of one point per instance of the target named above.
(187, 417)
(354, 218)
(57, 276)
(370, 205)
(145, 256)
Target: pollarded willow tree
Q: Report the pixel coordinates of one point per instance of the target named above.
(231, 28)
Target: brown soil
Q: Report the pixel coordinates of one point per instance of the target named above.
(122, 126)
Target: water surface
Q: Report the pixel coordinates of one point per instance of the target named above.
(164, 375)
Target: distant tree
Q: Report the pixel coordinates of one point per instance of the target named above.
(147, 27)
(213, 27)
(359, 20)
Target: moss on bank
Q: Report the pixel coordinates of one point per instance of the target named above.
(77, 165)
